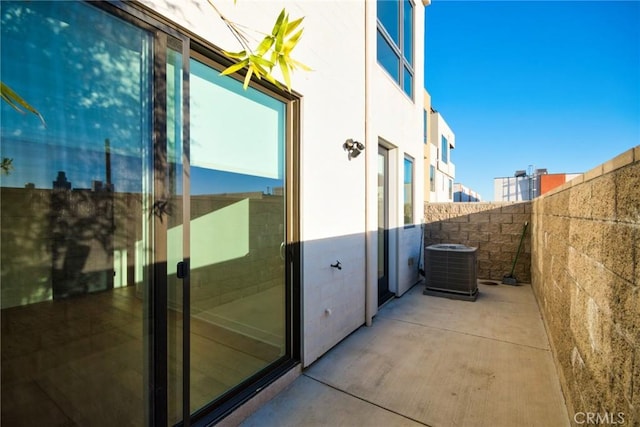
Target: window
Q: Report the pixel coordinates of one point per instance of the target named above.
(395, 41)
(444, 152)
(432, 177)
(408, 190)
(450, 189)
(425, 118)
(75, 217)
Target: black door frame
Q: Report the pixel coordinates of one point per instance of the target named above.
(384, 294)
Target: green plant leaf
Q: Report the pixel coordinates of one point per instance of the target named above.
(284, 38)
(258, 70)
(16, 101)
(261, 61)
(247, 78)
(274, 58)
(235, 67)
(284, 67)
(298, 64)
(6, 166)
(276, 26)
(280, 35)
(9, 101)
(235, 55)
(292, 26)
(265, 45)
(291, 43)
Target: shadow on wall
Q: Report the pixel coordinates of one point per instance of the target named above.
(494, 228)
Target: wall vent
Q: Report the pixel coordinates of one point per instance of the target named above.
(451, 271)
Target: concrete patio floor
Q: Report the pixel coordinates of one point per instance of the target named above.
(432, 361)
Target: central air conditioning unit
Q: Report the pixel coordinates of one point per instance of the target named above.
(451, 271)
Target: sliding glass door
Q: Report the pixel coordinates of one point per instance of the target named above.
(147, 257)
(228, 318)
(76, 191)
(238, 233)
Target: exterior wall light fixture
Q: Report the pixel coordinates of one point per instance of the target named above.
(354, 148)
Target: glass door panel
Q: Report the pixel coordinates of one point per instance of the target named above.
(75, 247)
(237, 220)
(383, 225)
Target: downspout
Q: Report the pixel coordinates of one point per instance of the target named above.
(370, 265)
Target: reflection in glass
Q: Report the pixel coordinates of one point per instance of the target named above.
(408, 191)
(237, 230)
(387, 57)
(407, 82)
(388, 15)
(407, 48)
(74, 217)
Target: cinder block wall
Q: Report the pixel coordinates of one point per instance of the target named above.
(586, 277)
(494, 228)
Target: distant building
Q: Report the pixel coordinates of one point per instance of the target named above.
(462, 193)
(527, 185)
(429, 151)
(550, 181)
(440, 172)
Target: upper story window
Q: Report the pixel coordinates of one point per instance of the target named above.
(395, 41)
(444, 151)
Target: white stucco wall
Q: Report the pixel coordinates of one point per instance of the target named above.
(333, 187)
(444, 171)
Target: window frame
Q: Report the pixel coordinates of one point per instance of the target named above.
(410, 221)
(400, 51)
(444, 149)
(432, 178)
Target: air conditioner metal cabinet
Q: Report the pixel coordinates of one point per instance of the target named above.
(451, 271)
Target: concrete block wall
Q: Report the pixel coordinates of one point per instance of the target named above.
(586, 277)
(494, 228)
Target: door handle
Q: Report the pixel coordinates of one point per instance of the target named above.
(283, 246)
(182, 269)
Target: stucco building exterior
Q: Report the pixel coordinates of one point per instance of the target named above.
(462, 193)
(173, 244)
(440, 177)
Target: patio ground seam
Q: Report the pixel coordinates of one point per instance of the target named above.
(305, 374)
(464, 333)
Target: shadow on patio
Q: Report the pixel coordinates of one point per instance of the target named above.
(433, 361)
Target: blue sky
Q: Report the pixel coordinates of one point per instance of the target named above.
(551, 84)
